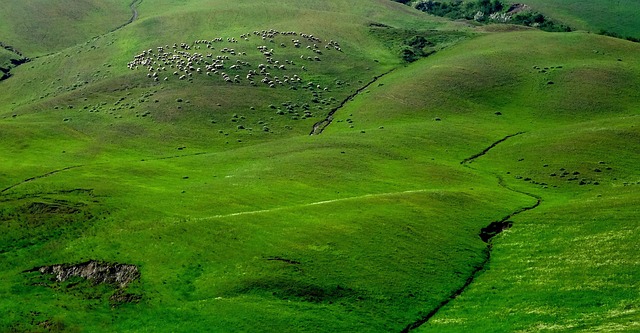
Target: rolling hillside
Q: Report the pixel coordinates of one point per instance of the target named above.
(161, 176)
(619, 17)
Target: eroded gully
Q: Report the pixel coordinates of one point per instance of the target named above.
(486, 234)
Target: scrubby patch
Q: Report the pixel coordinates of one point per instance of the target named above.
(411, 45)
(38, 219)
(34, 321)
(9, 59)
(490, 11)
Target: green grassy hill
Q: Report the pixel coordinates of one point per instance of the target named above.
(568, 263)
(619, 16)
(37, 27)
(237, 219)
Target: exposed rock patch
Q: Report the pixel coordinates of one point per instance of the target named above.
(96, 271)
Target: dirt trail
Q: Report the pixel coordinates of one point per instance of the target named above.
(174, 156)
(322, 124)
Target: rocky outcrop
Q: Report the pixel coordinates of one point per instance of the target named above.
(96, 271)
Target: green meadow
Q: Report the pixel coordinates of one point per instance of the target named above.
(613, 16)
(180, 145)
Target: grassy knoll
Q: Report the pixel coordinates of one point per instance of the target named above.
(594, 15)
(572, 263)
(578, 153)
(366, 227)
(37, 27)
(260, 228)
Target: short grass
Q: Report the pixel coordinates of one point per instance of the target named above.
(570, 264)
(618, 16)
(577, 153)
(38, 27)
(366, 227)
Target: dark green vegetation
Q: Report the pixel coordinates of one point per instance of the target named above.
(412, 45)
(10, 58)
(226, 215)
(489, 11)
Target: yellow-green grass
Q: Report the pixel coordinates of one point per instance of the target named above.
(572, 263)
(296, 203)
(69, 84)
(571, 126)
(106, 58)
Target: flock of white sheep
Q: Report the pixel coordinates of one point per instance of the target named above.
(221, 58)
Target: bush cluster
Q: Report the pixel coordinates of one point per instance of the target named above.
(460, 9)
(482, 10)
(415, 48)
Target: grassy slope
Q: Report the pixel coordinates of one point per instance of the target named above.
(572, 263)
(550, 281)
(197, 258)
(618, 16)
(37, 27)
(371, 261)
